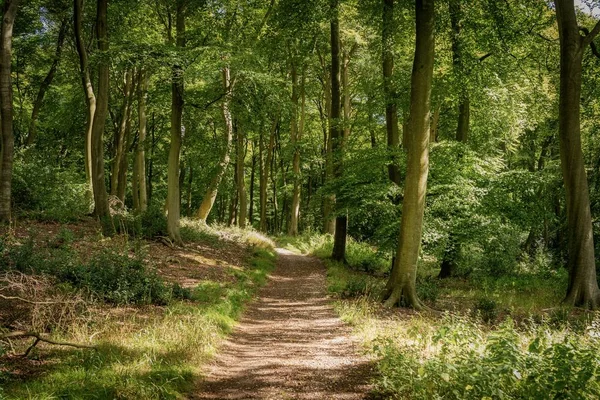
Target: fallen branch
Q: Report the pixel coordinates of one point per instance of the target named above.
(30, 301)
(40, 338)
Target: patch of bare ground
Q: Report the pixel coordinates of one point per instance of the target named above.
(290, 344)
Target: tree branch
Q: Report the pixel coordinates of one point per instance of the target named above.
(28, 301)
(40, 338)
(591, 43)
(590, 36)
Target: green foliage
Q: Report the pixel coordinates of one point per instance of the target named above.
(465, 362)
(42, 191)
(110, 275)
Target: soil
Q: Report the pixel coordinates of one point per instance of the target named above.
(290, 344)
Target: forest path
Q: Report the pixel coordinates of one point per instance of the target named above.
(290, 344)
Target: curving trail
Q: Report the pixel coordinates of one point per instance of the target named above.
(290, 344)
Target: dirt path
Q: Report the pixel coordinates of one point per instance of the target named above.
(290, 344)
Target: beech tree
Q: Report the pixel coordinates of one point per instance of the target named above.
(173, 196)
(583, 287)
(9, 13)
(401, 286)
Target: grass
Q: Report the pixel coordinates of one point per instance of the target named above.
(147, 352)
(499, 337)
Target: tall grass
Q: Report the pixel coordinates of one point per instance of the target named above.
(144, 352)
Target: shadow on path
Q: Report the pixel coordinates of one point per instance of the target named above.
(290, 344)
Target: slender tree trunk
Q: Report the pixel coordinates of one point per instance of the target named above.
(241, 182)
(120, 134)
(139, 168)
(86, 82)
(329, 200)
(151, 160)
(211, 194)
(296, 134)
(583, 287)
(252, 176)
(9, 14)
(269, 175)
(173, 203)
(464, 106)
(341, 221)
(402, 282)
(124, 165)
(264, 176)
(100, 195)
(37, 105)
(391, 112)
(435, 121)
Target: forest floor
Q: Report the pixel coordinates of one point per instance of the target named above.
(290, 343)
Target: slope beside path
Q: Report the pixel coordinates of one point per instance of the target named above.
(290, 344)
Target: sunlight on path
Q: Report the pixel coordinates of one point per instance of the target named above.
(290, 343)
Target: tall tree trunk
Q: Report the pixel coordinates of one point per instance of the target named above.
(269, 175)
(37, 105)
(336, 134)
(264, 176)
(328, 200)
(139, 168)
(9, 14)
(435, 121)
(86, 82)
(173, 203)
(391, 112)
(296, 134)
(241, 181)
(252, 176)
(464, 107)
(100, 195)
(211, 194)
(119, 142)
(124, 164)
(583, 287)
(401, 287)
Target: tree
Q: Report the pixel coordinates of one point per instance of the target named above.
(62, 34)
(9, 13)
(583, 287)
(140, 195)
(401, 286)
(391, 112)
(86, 82)
(336, 135)
(173, 199)
(211, 193)
(99, 184)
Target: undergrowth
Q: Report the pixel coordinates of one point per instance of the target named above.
(144, 352)
(504, 339)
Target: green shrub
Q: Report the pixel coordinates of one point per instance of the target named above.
(487, 309)
(464, 362)
(65, 199)
(117, 278)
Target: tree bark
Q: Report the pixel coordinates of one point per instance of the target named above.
(173, 203)
(139, 168)
(583, 287)
(100, 195)
(391, 112)
(211, 194)
(252, 176)
(241, 182)
(37, 105)
(9, 14)
(296, 134)
(401, 287)
(90, 97)
(336, 134)
(464, 106)
(120, 133)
